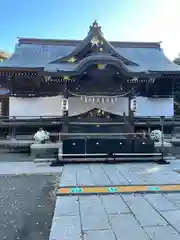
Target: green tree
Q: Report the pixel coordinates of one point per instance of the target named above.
(177, 60)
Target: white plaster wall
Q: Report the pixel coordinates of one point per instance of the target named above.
(78, 106)
(52, 106)
(35, 107)
(154, 107)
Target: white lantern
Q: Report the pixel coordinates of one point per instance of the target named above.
(65, 104)
(133, 104)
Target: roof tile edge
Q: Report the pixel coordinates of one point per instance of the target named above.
(68, 42)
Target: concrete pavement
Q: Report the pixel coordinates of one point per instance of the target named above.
(121, 216)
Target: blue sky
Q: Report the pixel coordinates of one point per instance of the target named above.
(123, 20)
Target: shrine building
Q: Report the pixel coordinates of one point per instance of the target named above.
(88, 80)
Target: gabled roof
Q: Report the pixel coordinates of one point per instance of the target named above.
(40, 53)
(95, 33)
(94, 110)
(81, 66)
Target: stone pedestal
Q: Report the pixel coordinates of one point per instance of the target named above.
(167, 148)
(46, 150)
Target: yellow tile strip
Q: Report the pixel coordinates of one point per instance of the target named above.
(83, 190)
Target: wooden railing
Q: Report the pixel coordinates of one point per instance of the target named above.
(58, 116)
(29, 118)
(137, 120)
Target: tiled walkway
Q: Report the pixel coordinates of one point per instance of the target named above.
(116, 217)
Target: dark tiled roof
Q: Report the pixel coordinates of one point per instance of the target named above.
(66, 42)
(31, 53)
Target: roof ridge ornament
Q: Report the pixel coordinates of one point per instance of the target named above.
(95, 26)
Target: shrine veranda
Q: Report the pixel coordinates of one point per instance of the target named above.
(94, 83)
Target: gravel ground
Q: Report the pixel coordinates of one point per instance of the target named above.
(26, 206)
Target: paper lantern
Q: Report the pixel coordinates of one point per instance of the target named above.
(133, 105)
(65, 104)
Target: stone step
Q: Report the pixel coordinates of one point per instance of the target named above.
(43, 160)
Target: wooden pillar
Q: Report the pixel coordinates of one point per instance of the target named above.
(5, 106)
(131, 113)
(65, 125)
(149, 126)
